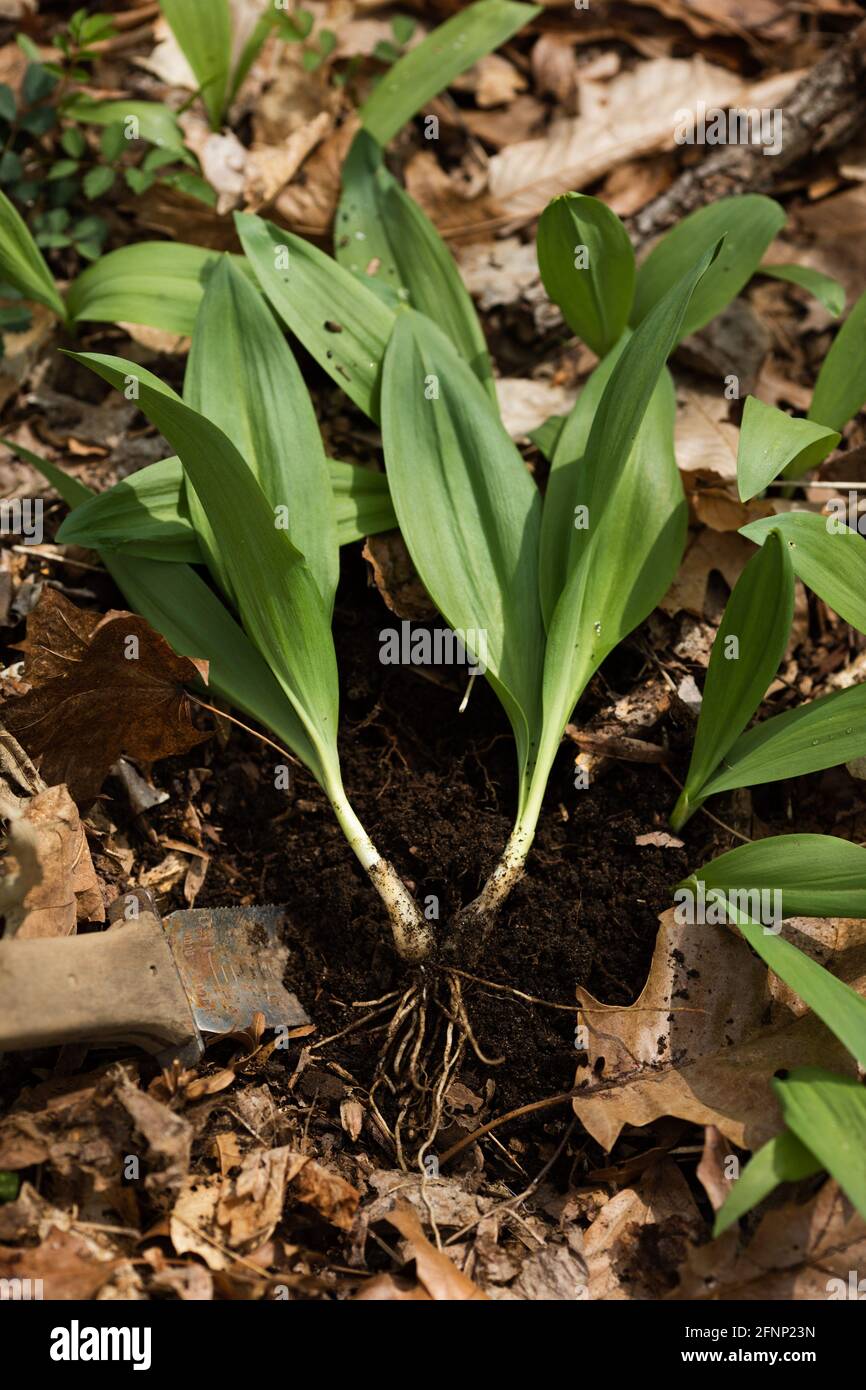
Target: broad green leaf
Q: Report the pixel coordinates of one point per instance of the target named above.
(816, 875)
(146, 514)
(206, 41)
(812, 737)
(747, 650)
(828, 1115)
(835, 1003)
(559, 519)
(180, 605)
(426, 70)
(468, 510)
(841, 386)
(384, 238)
(830, 293)
(826, 554)
(546, 437)
(155, 122)
(362, 500)
(773, 443)
(748, 222)
(242, 376)
(630, 499)
(277, 597)
(587, 266)
(344, 326)
(782, 1159)
(159, 283)
(22, 263)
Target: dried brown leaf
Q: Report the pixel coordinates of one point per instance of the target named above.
(100, 686)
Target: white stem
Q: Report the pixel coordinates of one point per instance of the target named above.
(413, 936)
(508, 872)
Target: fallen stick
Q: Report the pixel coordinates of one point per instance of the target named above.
(824, 110)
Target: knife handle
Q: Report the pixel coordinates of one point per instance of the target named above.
(115, 986)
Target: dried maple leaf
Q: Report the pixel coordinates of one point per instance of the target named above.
(100, 686)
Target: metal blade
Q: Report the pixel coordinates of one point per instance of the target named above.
(231, 962)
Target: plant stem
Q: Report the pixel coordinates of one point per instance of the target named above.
(413, 936)
(682, 812)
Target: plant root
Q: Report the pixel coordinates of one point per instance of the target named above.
(421, 1054)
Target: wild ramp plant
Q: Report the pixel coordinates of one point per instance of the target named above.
(252, 503)
(822, 1111)
(555, 584)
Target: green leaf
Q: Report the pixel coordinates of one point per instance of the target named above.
(362, 501)
(73, 142)
(621, 567)
(154, 121)
(22, 263)
(830, 293)
(252, 389)
(38, 83)
(747, 650)
(628, 494)
(61, 170)
(835, 1003)
(378, 225)
(138, 181)
(146, 514)
(189, 615)
(207, 47)
(587, 266)
(344, 326)
(7, 102)
(783, 1159)
(828, 1115)
(773, 443)
(250, 52)
(812, 737)
(841, 386)
(112, 141)
(748, 223)
(817, 875)
(98, 181)
(546, 437)
(403, 27)
(468, 510)
(159, 283)
(428, 68)
(559, 518)
(278, 599)
(825, 554)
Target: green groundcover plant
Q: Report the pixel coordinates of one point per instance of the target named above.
(824, 1113)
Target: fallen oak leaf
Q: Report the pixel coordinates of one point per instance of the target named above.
(703, 1040)
(55, 885)
(100, 686)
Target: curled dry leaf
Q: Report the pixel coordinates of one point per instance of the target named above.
(438, 1280)
(54, 884)
(396, 577)
(217, 1217)
(697, 1043)
(69, 1264)
(634, 114)
(100, 686)
(634, 1247)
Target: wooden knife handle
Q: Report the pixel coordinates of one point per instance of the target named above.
(113, 986)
